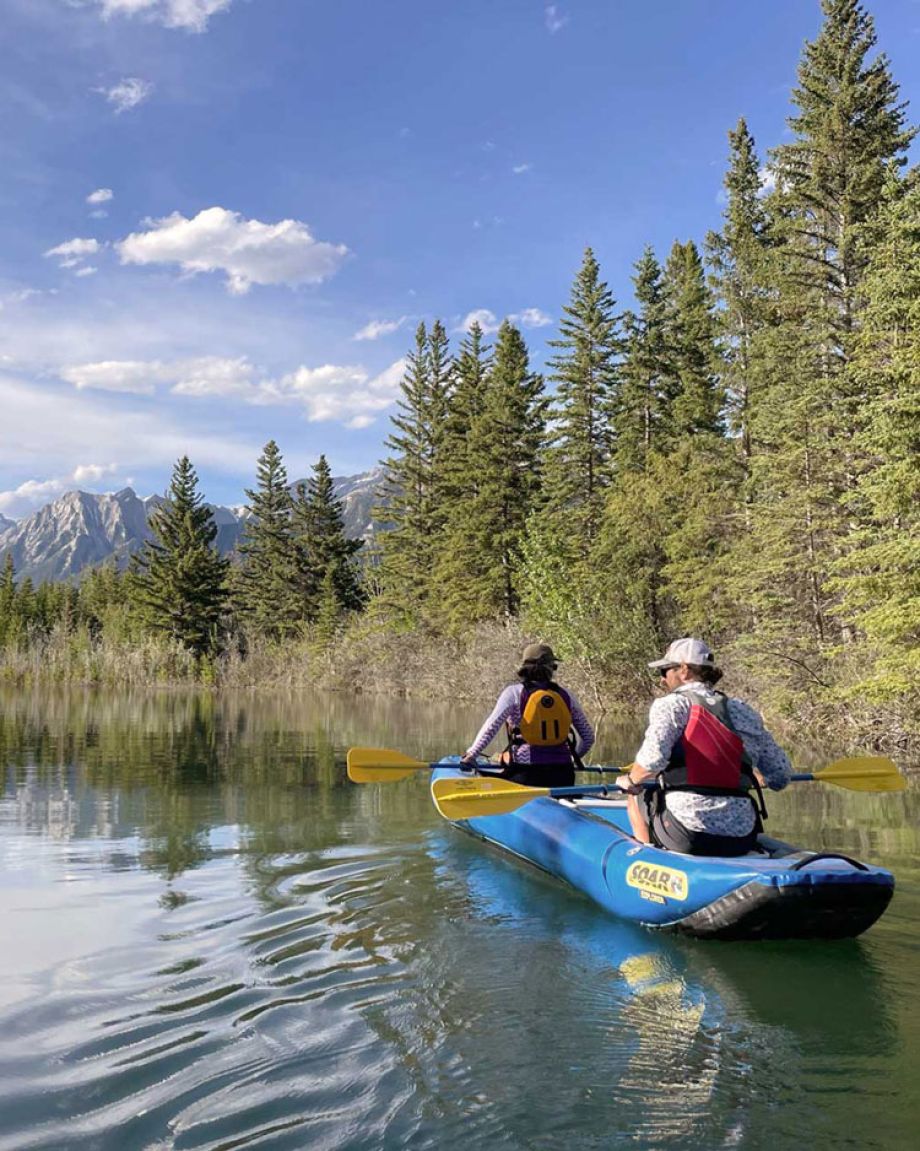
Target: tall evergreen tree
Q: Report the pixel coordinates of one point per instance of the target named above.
(698, 397)
(460, 456)
(645, 395)
(180, 577)
(482, 552)
(327, 554)
(737, 256)
(407, 510)
(879, 574)
(586, 371)
(7, 600)
(266, 583)
(848, 126)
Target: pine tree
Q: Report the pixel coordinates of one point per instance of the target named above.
(879, 574)
(8, 621)
(481, 557)
(848, 125)
(407, 512)
(828, 182)
(327, 555)
(265, 590)
(586, 371)
(737, 256)
(691, 337)
(180, 578)
(454, 585)
(643, 400)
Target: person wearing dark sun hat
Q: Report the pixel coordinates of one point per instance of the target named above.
(548, 732)
(708, 754)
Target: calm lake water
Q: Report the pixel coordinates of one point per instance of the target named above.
(211, 939)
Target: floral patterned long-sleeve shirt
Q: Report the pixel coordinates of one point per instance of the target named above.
(508, 710)
(715, 814)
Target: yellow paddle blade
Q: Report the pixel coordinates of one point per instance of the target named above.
(468, 798)
(379, 765)
(863, 773)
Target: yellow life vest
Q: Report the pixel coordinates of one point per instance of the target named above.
(546, 718)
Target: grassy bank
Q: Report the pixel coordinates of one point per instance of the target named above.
(811, 701)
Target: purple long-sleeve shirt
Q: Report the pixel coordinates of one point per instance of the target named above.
(508, 709)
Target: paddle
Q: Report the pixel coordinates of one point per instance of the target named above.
(469, 798)
(380, 765)
(861, 773)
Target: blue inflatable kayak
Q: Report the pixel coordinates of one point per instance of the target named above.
(778, 892)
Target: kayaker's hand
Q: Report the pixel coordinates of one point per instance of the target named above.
(626, 784)
(468, 761)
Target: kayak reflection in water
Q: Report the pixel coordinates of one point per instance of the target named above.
(548, 733)
(709, 754)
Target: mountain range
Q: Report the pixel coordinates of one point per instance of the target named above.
(83, 529)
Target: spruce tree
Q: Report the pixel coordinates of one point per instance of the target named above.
(698, 397)
(879, 572)
(480, 564)
(7, 600)
(408, 512)
(586, 371)
(180, 577)
(848, 126)
(265, 588)
(455, 580)
(738, 257)
(327, 555)
(643, 400)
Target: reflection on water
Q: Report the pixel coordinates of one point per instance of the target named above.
(213, 940)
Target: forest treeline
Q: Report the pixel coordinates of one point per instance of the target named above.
(736, 454)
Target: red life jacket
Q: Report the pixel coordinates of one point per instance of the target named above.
(709, 757)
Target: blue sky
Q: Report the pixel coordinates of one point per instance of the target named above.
(220, 220)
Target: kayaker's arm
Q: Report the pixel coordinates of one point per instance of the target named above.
(504, 708)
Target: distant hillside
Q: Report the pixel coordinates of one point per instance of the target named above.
(80, 529)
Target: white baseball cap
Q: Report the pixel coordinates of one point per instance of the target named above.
(686, 650)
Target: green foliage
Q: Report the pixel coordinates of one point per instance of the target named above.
(408, 513)
(643, 400)
(265, 587)
(327, 558)
(180, 579)
(879, 574)
(585, 370)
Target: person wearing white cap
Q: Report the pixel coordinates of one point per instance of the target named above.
(708, 753)
(548, 732)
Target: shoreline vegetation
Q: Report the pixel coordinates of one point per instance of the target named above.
(736, 456)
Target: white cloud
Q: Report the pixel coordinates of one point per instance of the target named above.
(100, 196)
(33, 493)
(216, 376)
(554, 18)
(486, 319)
(248, 251)
(86, 270)
(343, 393)
(531, 318)
(767, 178)
(489, 322)
(192, 15)
(42, 424)
(377, 328)
(127, 93)
(20, 296)
(72, 253)
(520, 169)
(137, 377)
